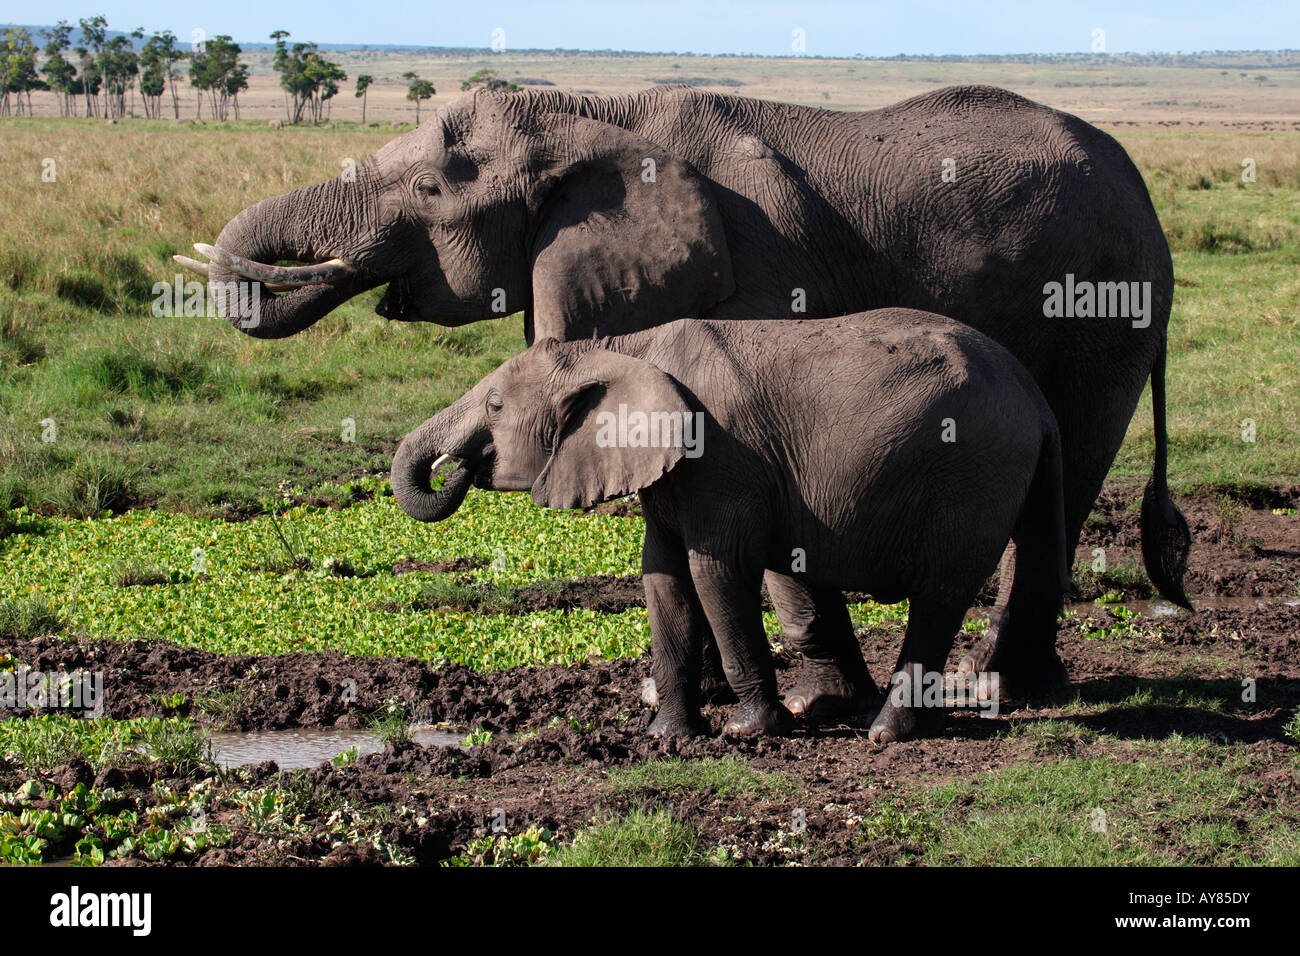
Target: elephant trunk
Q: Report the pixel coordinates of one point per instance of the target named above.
(420, 452)
(318, 225)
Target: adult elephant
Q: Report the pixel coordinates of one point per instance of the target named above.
(604, 215)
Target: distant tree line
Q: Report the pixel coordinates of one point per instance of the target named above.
(105, 72)
(101, 75)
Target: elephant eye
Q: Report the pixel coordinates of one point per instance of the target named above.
(428, 189)
(494, 402)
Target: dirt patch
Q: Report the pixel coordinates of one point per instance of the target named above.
(330, 689)
(629, 507)
(456, 565)
(605, 593)
(1240, 546)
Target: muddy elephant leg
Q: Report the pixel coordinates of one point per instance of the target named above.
(931, 628)
(679, 632)
(833, 677)
(730, 596)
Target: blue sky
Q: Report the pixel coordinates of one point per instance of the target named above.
(830, 27)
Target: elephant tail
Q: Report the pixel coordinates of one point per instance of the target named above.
(1166, 539)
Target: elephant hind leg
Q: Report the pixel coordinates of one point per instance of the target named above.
(833, 678)
(1024, 655)
(976, 659)
(912, 708)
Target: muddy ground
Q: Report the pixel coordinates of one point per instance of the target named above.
(559, 731)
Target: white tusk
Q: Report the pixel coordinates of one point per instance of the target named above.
(192, 264)
(202, 269)
(288, 276)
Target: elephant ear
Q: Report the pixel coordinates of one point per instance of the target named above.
(628, 236)
(619, 429)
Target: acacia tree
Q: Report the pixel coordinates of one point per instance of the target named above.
(216, 70)
(158, 59)
(418, 90)
(325, 76)
(94, 31)
(308, 78)
(363, 84)
(119, 67)
(488, 80)
(60, 75)
(18, 74)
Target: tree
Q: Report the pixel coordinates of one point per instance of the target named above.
(309, 79)
(363, 84)
(94, 30)
(418, 90)
(488, 80)
(236, 81)
(325, 76)
(87, 84)
(18, 73)
(216, 70)
(158, 60)
(60, 75)
(119, 66)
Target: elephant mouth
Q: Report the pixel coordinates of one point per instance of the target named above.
(395, 304)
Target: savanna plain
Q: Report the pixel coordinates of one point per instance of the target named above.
(204, 519)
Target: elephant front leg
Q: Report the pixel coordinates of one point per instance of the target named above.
(912, 708)
(730, 598)
(833, 678)
(679, 634)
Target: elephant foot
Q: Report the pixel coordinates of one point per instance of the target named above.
(759, 718)
(977, 658)
(894, 723)
(717, 694)
(1044, 675)
(710, 692)
(677, 724)
(824, 691)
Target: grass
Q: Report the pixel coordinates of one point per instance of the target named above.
(637, 839)
(48, 741)
(184, 412)
(22, 618)
(222, 708)
(722, 777)
(1127, 810)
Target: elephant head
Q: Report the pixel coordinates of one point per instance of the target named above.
(546, 422)
(502, 202)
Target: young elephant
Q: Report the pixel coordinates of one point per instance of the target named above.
(894, 452)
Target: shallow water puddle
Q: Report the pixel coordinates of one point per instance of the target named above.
(1160, 608)
(301, 747)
